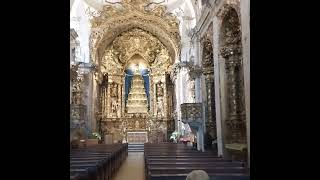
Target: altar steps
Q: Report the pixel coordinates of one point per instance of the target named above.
(135, 147)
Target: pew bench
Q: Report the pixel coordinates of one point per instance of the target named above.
(212, 176)
(174, 162)
(96, 162)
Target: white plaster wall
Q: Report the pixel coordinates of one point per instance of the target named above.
(178, 101)
(80, 22)
(93, 103)
(196, 53)
(71, 3)
(182, 93)
(245, 27)
(90, 106)
(218, 83)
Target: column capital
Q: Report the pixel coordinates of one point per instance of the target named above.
(195, 71)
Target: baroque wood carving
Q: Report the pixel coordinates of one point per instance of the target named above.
(231, 51)
(113, 20)
(121, 32)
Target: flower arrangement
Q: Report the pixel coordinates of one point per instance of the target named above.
(96, 135)
(174, 135)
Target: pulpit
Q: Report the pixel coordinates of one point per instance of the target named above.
(191, 113)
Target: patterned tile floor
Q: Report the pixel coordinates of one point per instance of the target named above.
(132, 168)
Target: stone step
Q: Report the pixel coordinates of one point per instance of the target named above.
(135, 150)
(132, 147)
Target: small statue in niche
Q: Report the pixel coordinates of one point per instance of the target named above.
(76, 93)
(73, 98)
(114, 90)
(137, 126)
(124, 127)
(160, 89)
(76, 98)
(118, 110)
(136, 69)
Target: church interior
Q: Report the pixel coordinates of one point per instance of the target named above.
(159, 89)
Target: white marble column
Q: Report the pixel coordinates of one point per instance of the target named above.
(165, 97)
(245, 27)
(182, 85)
(198, 89)
(218, 87)
(93, 99)
(181, 93)
(203, 100)
(198, 81)
(177, 87)
(179, 98)
(200, 139)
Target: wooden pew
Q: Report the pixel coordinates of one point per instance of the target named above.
(212, 176)
(102, 166)
(117, 154)
(88, 153)
(77, 176)
(107, 158)
(174, 162)
(97, 162)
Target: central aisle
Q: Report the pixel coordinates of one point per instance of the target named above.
(132, 168)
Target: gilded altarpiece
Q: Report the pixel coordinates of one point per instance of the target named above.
(157, 122)
(149, 40)
(231, 53)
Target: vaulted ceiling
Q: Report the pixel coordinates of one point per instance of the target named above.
(179, 7)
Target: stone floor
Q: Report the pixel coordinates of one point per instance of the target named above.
(132, 168)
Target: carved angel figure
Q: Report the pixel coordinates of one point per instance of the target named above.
(160, 110)
(114, 105)
(137, 126)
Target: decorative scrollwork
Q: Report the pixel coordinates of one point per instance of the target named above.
(207, 57)
(137, 41)
(112, 20)
(231, 51)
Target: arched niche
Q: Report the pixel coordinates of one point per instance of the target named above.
(231, 54)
